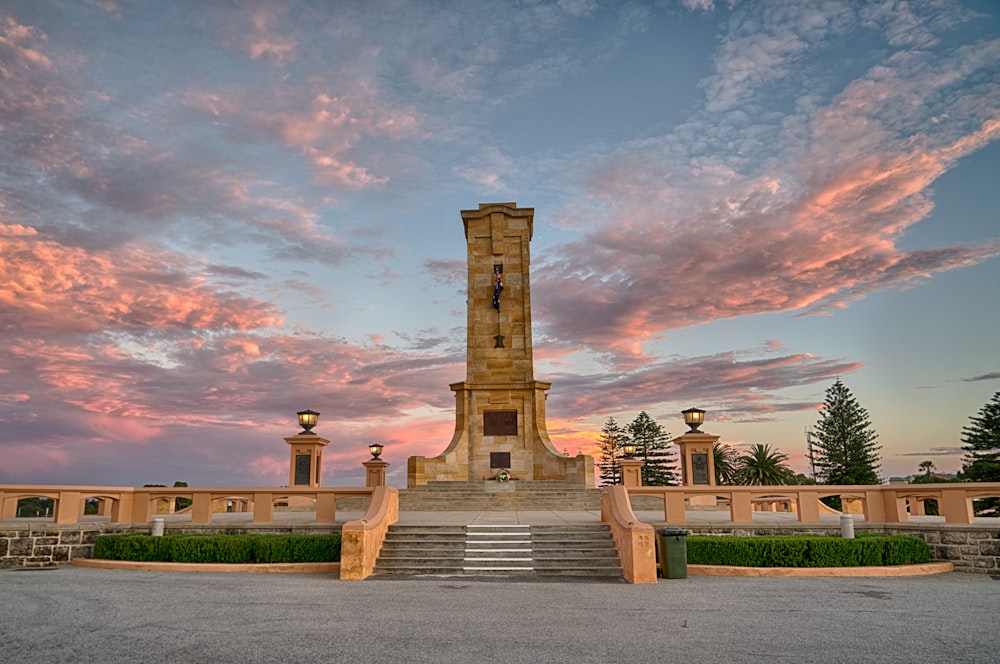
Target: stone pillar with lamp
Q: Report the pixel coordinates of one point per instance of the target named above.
(631, 467)
(375, 467)
(306, 463)
(697, 457)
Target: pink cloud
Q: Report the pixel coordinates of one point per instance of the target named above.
(325, 128)
(269, 468)
(809, 232)
(121, 427)
(743, 388)
(49, 286)
(21, 43)
(33, 459)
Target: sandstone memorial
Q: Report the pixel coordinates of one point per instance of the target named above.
(500, 432)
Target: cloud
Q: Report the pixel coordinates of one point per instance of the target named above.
(763, 45)
(487, 170)
(447, 270)
(324, 127)
(578, 7)
(47, 286)
(702, 5)
(19, 43)
(681, 233)
(934, 451)
(993, 375)
(98, 178)
(742, 389)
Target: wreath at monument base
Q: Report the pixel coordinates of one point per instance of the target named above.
(503, 475)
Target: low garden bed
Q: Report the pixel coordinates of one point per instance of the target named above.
(807, 551)
(232, 549)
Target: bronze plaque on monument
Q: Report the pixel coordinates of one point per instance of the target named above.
(699, 468)
(499, 459)
(302, 469)
(500, 423)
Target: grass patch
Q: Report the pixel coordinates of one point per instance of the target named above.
(141, 547)
(807, 551)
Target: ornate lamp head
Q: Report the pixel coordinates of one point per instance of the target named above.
(694, 418)
(307, 419)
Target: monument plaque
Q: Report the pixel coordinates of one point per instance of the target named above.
(500, 423)
(302, 469)
(699, 469)
(499, 460)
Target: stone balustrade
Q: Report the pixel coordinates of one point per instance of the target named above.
(140, 505)
(633, 539)
(361, 539)
(881, 504)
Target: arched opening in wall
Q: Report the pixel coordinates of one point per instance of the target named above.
(833, 502)
(986, 506)
(99, 505)
(931, 507)
(35, 506)
(231, 503)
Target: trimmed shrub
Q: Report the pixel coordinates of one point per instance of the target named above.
(212, 549)
(807, 551)
(219, 548)
(133, 546)
(298, 548)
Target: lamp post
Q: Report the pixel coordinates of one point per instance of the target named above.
(631, 467)
(375, 467)
(697, 457)
(306, 464)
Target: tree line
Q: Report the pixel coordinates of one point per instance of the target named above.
(844, 450)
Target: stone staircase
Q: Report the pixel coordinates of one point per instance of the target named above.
(499, 551)
(490, 495)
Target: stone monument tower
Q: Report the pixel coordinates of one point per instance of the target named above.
(499, 407)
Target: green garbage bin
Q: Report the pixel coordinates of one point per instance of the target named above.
(672, 545)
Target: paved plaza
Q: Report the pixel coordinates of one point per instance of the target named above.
(71, 614)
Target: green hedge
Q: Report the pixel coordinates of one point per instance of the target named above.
(219, 548)
(807, 551)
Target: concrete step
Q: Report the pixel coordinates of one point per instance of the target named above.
(493, 485)
(499, 496)
(499, 550)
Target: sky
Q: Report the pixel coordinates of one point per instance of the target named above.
(213, 215)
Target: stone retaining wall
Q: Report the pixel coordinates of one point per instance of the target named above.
(971, 548)
(46, 544)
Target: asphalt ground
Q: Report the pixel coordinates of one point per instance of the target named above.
(71, 614)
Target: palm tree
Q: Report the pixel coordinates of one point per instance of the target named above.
(762, 465)
(725, 463)
(927, 467)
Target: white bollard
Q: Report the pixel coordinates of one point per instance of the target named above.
(156, 530)
(847, 526)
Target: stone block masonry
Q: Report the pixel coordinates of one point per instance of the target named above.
(45, 545)
(969, 548)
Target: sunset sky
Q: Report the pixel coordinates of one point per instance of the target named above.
(214, 214)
